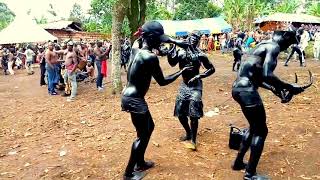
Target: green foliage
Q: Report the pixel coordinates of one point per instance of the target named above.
(125, 28)
(100, 19)
(157, 11)
(213, 10)
(241, 13)
(6, 16)
(76, 13)
(196, 9)
(314, 9)
(287, 6)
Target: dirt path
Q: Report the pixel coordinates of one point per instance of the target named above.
(43, 137)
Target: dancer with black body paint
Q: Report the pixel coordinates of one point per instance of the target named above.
(189, 98)
(255, 72)
(237, 54)
(143, 65)
(296, 48)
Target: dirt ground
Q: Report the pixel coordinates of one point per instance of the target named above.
(45, 137)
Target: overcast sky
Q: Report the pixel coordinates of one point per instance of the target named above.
(39, 7)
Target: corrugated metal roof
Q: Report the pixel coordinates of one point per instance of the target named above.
(286, 17)
(61, 25)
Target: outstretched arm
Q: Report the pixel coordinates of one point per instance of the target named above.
(275, 91)
(158, 74)
(181, 43)
(269, 66)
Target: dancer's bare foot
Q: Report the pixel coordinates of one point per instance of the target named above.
(147, 165)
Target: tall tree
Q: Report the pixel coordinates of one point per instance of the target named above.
(118, 15)
(190, 9)
(241, 13)
(6, 16)
(196, 9)
(234, 12)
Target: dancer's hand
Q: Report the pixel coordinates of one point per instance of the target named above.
(192, 80)
(295, 89)
(186, 68)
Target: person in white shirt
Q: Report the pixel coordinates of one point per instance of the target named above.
(29, 59)
(316, 45)
(304, 42)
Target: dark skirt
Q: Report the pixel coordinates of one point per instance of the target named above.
(189, 101)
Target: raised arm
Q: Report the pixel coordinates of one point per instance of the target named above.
(173, 57)
(60, 52)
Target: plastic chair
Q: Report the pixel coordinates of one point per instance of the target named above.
(216, 45)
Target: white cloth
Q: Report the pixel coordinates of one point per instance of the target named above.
(29, 55)
(305, 38)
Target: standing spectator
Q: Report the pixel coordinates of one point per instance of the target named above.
(91, 55)
(203, 42)
(316, 46)
(51, 58)
(210, 43)
(295, 48)
(71, 64)
(11, 59)
(42, 62)
(305, 38)
(237, 54)
(250, 40)
(4, 60)
(222, 41)
(22, 56)
(29, 59)
(100, 56)
(125, 54)
(83, 56)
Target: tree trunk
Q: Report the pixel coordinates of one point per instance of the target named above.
(136, 14)
(119, 12)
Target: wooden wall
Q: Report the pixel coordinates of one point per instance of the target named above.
(272, 26)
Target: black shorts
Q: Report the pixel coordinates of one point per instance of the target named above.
(189, 101)
(134, 105)
(246, 97)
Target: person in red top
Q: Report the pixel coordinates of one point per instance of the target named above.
(210, 43)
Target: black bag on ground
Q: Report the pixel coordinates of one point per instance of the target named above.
(236, 135)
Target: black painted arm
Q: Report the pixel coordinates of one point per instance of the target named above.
(269, 66)
(173, 57)
(158, 74)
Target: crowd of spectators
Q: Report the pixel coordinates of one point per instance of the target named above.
(62, 64)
